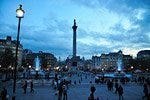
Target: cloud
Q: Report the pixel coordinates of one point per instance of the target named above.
(126, 39)
(103, 26)
(8, 29)
(55, 37)
(88, 3)
(87, 50)
(113, 4)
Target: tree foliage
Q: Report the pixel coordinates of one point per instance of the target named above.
(7, 58)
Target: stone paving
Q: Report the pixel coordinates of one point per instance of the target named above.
(79, 92)
(132, 91)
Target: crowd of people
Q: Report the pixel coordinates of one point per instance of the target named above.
(114, 85)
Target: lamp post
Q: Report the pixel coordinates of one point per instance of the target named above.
(132, 69)
(19, 14)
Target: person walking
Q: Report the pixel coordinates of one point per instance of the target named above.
(31, 87)
(108, 85)
(145, 91)
(116, 86)
(120, 92)
(111, 85)
(65, 92)
(25, 87)
(4, 94)
(60, 91)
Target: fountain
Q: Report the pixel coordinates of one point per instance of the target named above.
(37, 71)
(119, 64)
(119, 73)
(37, 64)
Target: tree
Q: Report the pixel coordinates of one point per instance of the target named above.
(7, 60)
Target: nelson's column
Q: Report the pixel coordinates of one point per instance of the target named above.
(74, 58)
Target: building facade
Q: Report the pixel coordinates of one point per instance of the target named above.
(143, 60)
(8, 43)
(47, 60)
(110, 61)
(96, 61)
(144, 54)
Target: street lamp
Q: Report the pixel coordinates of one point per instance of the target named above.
(19, 14)
(29, 66)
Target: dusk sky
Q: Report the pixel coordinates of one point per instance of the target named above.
(103, 25)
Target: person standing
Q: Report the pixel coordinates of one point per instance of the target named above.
(120, 92)
(93, 89)
(75, 82)
(81, 78)
(31, 87)
(56, 80)
(64, 92)
(79, 82)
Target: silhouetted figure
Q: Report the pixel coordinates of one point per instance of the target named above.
(145, 91)
(37, 75)
(111, 85)
(108, 85)
(4, 94)
(79, 82)
(56, 80)
(60, 91)
(75, 82)
(24, 75)
(25, 87)
(120, 92)
(143, 79)
(116, 87)
(93, 89)
(64, 92)
(31, 87)
(102, 79)
(147, 80)
(90, 82)
(70, 81)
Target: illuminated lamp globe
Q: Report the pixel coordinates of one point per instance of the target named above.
(20, 12)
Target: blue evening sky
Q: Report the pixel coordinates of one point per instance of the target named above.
(103, 25)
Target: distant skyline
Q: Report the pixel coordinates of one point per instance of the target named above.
(103, 25)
